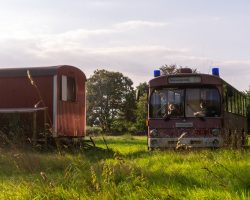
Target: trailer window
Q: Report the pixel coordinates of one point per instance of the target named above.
(68, 89)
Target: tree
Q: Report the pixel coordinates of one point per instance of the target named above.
(173, 69)
(141, 113)
(142, 89)
(141, 106)
(248, 108)
(110, 98)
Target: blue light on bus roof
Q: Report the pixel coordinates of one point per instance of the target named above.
(157, 72)
(216, 71)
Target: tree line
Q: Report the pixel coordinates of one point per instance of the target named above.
(111, 102)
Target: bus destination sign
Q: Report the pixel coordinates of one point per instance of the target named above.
(184, 79)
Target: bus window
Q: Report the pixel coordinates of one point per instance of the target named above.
(155, 106)
(237, 103)
(240, 104)
(233, 103)
(166, 103)
(244, 106)
(225, 98)
(192, 102)
(229, 104)
(202, 102)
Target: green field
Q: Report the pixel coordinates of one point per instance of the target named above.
(126, 171)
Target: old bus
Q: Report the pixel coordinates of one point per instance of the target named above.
(195, 110)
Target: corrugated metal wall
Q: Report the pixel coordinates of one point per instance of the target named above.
(17, 92)
(71, 119)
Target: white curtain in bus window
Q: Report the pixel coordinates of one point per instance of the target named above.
(192, 102)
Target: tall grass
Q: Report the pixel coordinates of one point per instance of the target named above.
(128, 171)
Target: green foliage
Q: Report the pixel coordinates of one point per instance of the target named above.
(142, 89)
(172, 69)
(141, 107)
(110, 98)
(15, 129)
(248, 109)
(121, 126)
(141, 113)
(127, 172)
(95, 130)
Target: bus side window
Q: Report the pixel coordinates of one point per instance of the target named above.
(225, 98)
(230, 98)
(244, 106)
(241, 105)
(236, 103)
(233, 103)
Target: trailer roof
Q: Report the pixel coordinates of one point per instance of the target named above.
(34, 71)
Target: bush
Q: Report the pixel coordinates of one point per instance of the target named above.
(248, 118)
(93, 130)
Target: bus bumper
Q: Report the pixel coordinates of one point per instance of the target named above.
(184, 142)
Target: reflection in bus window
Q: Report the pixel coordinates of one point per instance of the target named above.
(167, 103)
(202, 102)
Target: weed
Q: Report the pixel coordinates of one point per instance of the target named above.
(129, 171)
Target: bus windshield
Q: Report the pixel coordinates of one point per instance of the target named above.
(197, 102)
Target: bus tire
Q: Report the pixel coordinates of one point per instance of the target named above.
(243, 138)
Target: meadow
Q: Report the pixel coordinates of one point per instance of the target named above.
(126, 170)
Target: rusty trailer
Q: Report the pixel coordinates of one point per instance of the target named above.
(57, 91)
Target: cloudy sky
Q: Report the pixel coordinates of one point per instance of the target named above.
(130, 36)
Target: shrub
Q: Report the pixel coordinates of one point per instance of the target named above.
(93, 130)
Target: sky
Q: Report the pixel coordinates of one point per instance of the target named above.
(133, 37)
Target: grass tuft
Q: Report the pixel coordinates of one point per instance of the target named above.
(126, 171)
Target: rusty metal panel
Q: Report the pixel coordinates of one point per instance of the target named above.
(18, 92)
(71, 114)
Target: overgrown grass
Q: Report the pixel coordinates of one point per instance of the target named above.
(126, 171)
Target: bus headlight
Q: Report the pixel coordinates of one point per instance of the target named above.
(215, 132)
(153, 132)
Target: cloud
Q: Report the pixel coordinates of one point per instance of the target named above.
(82, 48)
(73, 40)
(18, 31)
(136, 62)
(236, 72)
(133, 24)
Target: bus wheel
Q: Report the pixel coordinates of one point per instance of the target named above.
(236, 139)
(229, 139)
(151, 148)
(243, 138)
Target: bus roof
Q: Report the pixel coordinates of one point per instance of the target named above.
(181, 79)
